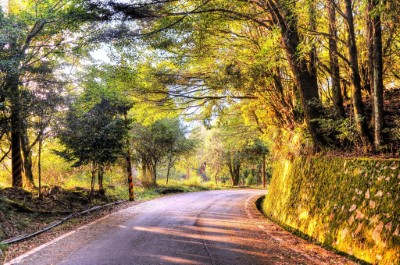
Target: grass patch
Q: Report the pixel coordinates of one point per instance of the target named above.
(3, 246)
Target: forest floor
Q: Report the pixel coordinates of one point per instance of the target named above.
(23, 212)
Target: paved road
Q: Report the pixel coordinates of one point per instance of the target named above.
(212, 227)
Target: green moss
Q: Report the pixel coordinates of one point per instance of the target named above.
(351, 205)
(3, 246)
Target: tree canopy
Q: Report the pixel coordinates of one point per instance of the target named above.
(317, 74)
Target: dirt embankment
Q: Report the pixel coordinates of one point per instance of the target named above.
(22, 212)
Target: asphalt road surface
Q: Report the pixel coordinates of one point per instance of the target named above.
(211, 227)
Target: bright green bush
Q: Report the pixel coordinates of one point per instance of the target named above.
(352, 205)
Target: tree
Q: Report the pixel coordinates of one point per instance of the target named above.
(164, 139)
(123, 84)
(128, 158)
(334, 61)
(256, 152)
(233, 159)
(95, 137)
(377, 91)
(202, 58)
(264, 53)
(235, 141)
(358, 104)
(32, 34)
(179, 144)
(214, 151)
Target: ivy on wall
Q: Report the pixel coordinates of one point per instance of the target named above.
(352, 205)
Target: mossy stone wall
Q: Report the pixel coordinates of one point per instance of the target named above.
(352, 205)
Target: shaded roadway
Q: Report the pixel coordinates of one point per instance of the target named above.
(211, 227)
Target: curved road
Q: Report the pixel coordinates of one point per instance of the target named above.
(211, 227)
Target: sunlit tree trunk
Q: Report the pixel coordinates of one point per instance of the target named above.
(147, 174)
(100, 177)
(312, 65)
(12, 86)
(128, 160)
(264, 177)
(168, 169)
(93, 178)
(40, 166)
(234, 163)
(334, 62)
(370, 49)
(129, 173)
(27, 156)
(153, 172)
(358, 105)
(377, 91)
(304, 79)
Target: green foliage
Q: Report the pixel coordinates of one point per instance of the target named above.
(35, 36)
(348, 204)
(193, 182)
(96, 136)
(164, 140)
(3, 246)
(230, 56)
(342, 133)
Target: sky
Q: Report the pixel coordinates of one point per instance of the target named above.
(4, 4)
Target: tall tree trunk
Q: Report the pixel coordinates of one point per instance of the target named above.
(230, 166)
(334, 62)
(168, 169)
(358, 105)
(27, 155)
(259, 177)
(16, 157)
(93, 174)
(233, 162)
(40, 166)
(234, 176)
(153, 170)
(100, 177)
(166, 182)
(128, 160)
(345, 83)
(370, 48)
(369, 68)
(236, 172)
(264, 178)
(147, 174)
(12, 85)
(129, 173)
(312, 65)
(285, 19)
(377, 77)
